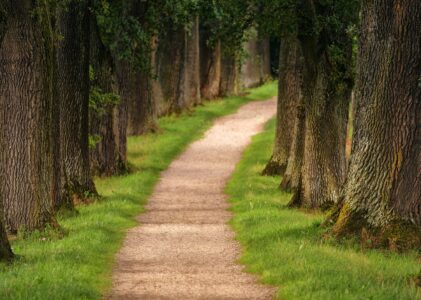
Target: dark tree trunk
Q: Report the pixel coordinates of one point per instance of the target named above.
(210, 66)
(142, 110)
(324, 163)
(229, 76)
(171, 68)
(6, 253)
(73, 92)
(383, 187)
(28, 184)
(192, 71)
(106, 160)
(289, 93)
(265, 72)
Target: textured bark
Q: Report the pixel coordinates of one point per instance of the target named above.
(384, 181)
(106, 160)
(289, 92)
(28, 184)
(210, 66)
(73, 91)
(229, 76)
(324, 164)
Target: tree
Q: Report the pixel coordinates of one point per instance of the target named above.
(29, 185)
(289, 93)
(73, 92)
(382, 197)
(104, 122)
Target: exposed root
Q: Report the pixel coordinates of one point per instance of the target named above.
(286, 183)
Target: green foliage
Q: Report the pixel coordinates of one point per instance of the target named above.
(287, 249)
(79, 264)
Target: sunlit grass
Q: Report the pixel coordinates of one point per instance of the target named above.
(79, 265)
(285, 246)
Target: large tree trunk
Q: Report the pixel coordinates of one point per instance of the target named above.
(289, 93)
(229, 76)
(324, 164)
(382, 193)
(73, 91)
(106, 160)
(210, 66)
(28, 183)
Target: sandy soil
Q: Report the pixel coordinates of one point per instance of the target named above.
(183, 247)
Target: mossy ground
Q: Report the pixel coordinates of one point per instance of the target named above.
(288, 247)
(78, 265)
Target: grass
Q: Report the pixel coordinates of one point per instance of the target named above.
(284, 246)
(79, 265)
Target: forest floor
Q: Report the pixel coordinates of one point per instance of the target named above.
(288, 249)
(79, 264)
(183, 247)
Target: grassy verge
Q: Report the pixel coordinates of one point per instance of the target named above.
(284, 246)
(79, 265)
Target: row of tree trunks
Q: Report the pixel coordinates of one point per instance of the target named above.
(106, 158)
(29, 186)
(289, 94)
(382, 193)
(73, 91)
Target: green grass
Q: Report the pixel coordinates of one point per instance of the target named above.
(284, 246)
(79, 265)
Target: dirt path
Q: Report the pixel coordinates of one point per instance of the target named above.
(183, 248)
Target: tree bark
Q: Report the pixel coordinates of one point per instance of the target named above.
(171, 68)
(264, 46)
(252, 66)
(210, 66)
(192, 45)
(106, 160)
(73, 91)
(289, 93)
(28, 184)
(382, 193)
(229, 76)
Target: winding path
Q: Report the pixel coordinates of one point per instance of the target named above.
(183, 247)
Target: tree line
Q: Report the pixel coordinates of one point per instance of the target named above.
(334, 53)
(77, 77)
(80, 74)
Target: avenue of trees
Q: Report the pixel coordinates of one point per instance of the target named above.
(77, 77)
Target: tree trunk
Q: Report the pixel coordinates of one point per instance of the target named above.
(324, 164)
(171, 68)
(106, 160)
(229, 76)
(210, 66)
(73, 91)
(251, 68)
(382, 193)
(289, 93)
(192, 72)
(28, 183)
(265, 72)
